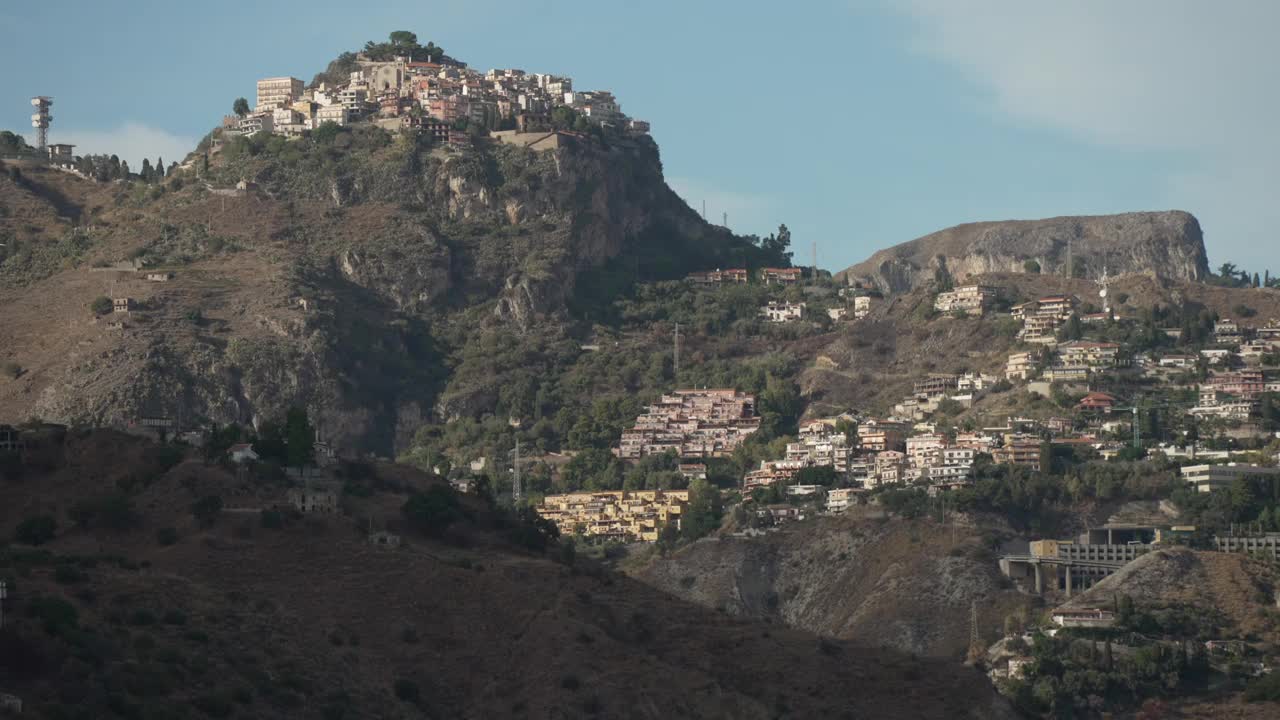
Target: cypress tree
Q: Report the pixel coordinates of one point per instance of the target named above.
(159, 167)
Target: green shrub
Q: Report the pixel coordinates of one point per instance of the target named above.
(101, 305)
(166, 536)
(36, 530)
(272, 519)
(68, 574)
(407, 690)
(175, 617)
(207, 509)
(12, 369)
(55, 614)
(1263, 689)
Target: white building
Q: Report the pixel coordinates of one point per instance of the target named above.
(1213, 477)
(782, 311)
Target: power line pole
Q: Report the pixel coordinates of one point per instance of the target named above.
(517, 492)
(4, 593)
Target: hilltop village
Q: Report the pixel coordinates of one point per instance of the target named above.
(385, 86)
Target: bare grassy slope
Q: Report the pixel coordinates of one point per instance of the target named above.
(1236, 588)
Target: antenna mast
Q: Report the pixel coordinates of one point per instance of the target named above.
(40, 121)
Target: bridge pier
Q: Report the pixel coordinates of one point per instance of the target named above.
(1068, 567)
(1039, 579)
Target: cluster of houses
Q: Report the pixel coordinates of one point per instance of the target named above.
(617, 516)
(782, 311)
(433, 97)
(693, 423)
(928, 394)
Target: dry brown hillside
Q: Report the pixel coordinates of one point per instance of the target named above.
(1233, 592)
(309, 620)
(907, 584)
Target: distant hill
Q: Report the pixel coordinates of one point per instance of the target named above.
(305, 619)
(1167, 245)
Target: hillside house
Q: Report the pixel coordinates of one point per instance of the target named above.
(159, 276)
(1090, 354)
(1083, 618)
(770, 473)
(837, 314)
(1067, 373)
(692, 471)
(1217, 356)
(122, 305)
(890, 467)
(311, 500)
(969, 299)
(242, 453)
(1227, 332)
(384, 539)
(1097, 402)
(935, 386)
(1179, 362)
(861, 306)
(1020, 366)
(1019, 449)
(1211, 477)
(618, 515)
(780, 312)
(781, 276)
(732, 276)
(1246, 384)
(839, 499)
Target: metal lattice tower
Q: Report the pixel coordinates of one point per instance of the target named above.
(40, 120)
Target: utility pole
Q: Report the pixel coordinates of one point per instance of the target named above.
(815, 262)
(726, 220)
(676, 374)
(4, 593)
(516, 491)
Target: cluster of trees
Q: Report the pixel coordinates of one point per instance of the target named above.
(110, 167)
(13, 144)
(289, 442)
(1229, 275)
(402, 43)
(1070, 675)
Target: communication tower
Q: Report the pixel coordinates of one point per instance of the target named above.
(40, 120)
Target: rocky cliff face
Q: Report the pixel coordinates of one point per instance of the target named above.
(1159, 244)
(346, 286)
(909, 585)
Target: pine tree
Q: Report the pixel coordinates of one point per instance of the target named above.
(114, 171)
(124, 169)
(146, 170)
(1257, 282)
(159, 168)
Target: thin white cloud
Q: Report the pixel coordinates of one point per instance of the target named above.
(1185, 77)
(748, 212)
(131, 141)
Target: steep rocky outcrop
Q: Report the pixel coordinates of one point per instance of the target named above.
(1159, 244)
(909, 585)
(347, 284)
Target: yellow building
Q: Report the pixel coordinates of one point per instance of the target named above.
(624, 515)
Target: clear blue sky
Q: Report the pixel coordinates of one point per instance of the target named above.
(860, 124)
